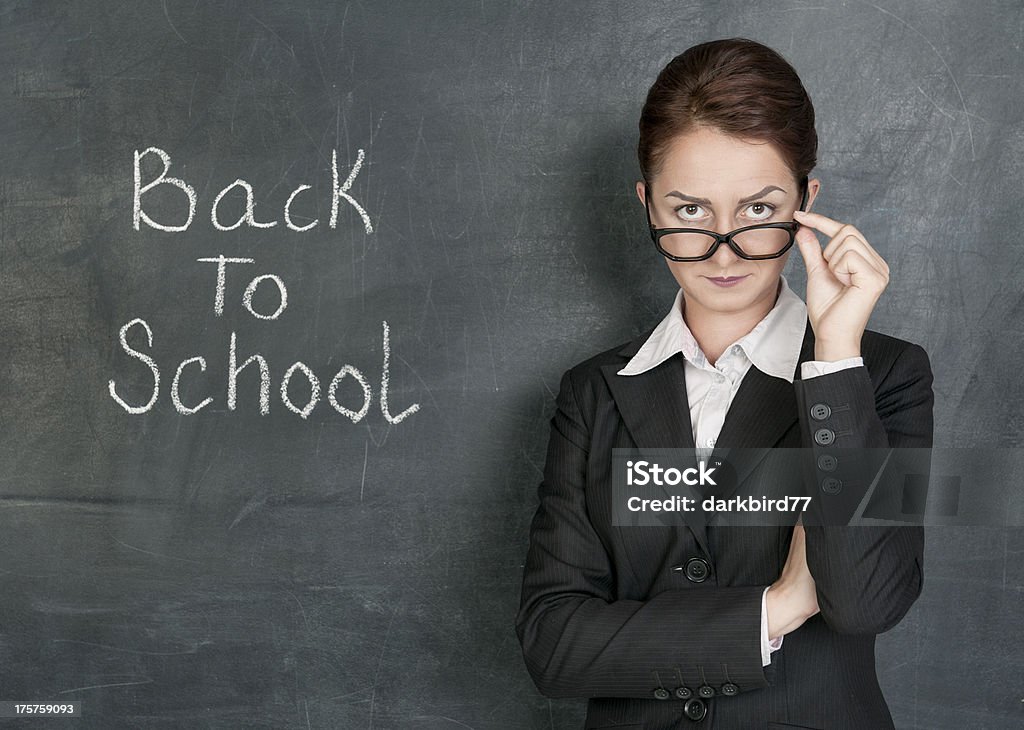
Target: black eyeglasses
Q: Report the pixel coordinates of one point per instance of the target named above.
(754, 243)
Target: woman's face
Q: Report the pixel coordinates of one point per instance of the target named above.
(724, 170)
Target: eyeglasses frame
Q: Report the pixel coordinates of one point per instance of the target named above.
(720, 238)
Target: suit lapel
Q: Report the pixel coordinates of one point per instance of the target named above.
(656, 412)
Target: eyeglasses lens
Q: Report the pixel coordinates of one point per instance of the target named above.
(757, 242)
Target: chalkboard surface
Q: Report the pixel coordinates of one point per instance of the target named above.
(415, 216)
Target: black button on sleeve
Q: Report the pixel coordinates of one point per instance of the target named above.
(695, 709)
(661, 694)
(730, 689)
(684, 693)
(706, 691)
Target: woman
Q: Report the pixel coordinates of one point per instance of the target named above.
(703, 625)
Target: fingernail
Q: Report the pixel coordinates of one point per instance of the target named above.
(798, 213)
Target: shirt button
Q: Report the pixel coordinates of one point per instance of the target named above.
(710, 442)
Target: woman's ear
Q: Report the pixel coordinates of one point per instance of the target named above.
(641, 190)
(813, 186)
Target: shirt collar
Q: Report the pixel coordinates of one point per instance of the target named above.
(773, 345)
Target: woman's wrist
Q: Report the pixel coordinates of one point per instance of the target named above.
(833, 352)
(786, 611)
(777, 608)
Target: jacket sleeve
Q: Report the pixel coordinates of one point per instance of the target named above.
(866, 577)
(578, 640)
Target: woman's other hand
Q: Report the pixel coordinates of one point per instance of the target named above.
(792, 599)
(844, 281)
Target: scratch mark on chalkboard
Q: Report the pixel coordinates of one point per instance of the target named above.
(529, 460)
(454, 640)
(420, 142)
(499, 706)
(316, 54)
(150, 552)
(513, 285)
(963, 105)
(362, 481)
(376, 130)
(147, 680)
(1006, 551)
(442, 717)
(192, 94)
(193, 650)
(166, 15)
(63, 608)
(281, 179)
(273, 32)
(490, 346)
(348, 694)
(380, 661)
(319, 303)
(479, 169)
(199, 483)
(305, 130)
(254, 503)
(426, 387)
(301, 609)
(935, 104)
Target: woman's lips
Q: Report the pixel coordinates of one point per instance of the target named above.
(726, 280)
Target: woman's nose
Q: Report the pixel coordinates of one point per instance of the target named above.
(724, 254)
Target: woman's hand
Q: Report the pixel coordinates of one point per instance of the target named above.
(792, 599)
(843, 283)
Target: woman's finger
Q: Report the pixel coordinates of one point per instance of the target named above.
(817, 221)
(854, 270)
(846, 232)
(851, 242)
(810, 249)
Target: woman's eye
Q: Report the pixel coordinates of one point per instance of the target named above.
(762, 211)
(688, 212)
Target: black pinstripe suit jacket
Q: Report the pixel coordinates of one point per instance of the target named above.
(604, 616)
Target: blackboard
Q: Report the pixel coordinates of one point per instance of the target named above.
(230, 568)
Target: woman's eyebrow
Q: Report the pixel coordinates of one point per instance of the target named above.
(705, 201)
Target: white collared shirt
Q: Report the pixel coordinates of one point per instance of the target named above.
(773, 346)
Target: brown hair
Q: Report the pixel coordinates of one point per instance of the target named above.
(737, 86)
